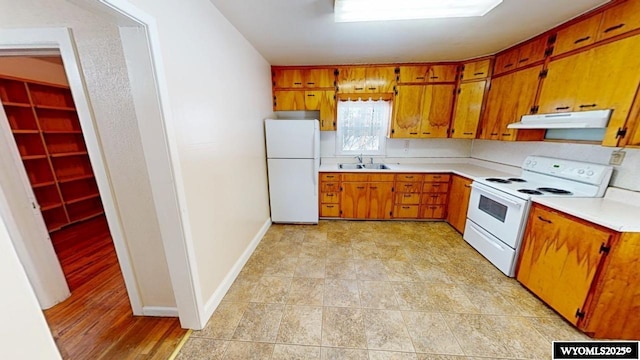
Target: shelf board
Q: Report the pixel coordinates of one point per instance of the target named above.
(23, 131)
(83, 198)
(50, 206)
(87, 217)
(43, 184)
(60, 108)
(16, 104)
(56, 226)
(62, 131)
(33, 157)
(75, 153)
(75, 178)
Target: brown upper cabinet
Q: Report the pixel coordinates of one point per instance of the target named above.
(372, 79)
(467, 111)
(619, 19)
(475, 70)
(575, 36)
(427, 73)
(303, 78)
(599, 78)
(520, 56)
(422, 111)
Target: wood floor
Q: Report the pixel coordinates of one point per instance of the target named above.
(96, 322)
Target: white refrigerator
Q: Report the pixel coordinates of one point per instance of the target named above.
(293, 160)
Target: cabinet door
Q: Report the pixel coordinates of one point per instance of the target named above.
(505, 62)
(564, 79)
(288, 100)
(620, 19)
(532, 51)
(351, 80)
(380, 200)
(476, 70)
(467, 111)
(328, 111)
(458, 202)
(413, 74)
(442, 73)
(612, 83)
(510, 97)
(407, 111)
(355, 203)
(559, 259)
(319, 78)
(437, 105)
(380, 79)
(577, 35)
(312, 99)
(288, 78)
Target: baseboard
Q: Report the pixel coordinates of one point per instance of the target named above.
(160, 311)
(215, 299)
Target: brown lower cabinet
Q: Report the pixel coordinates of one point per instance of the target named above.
(587, 273)
(459, 202)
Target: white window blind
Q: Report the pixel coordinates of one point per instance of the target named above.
(362, 127)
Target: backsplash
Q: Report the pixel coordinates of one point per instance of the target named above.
(626, 176)
(401, 148)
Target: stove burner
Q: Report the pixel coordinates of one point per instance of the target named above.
(501, 181)
(517, 180)
(530, 191)
(555, 191)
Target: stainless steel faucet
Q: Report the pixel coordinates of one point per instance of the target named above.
(371, 160)
(359, 157)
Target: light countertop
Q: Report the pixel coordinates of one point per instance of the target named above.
(619, 210)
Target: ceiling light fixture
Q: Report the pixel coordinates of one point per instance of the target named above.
(374, 10)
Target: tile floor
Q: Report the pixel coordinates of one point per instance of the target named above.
(375, 290)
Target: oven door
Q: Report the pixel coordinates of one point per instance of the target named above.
(500, 214)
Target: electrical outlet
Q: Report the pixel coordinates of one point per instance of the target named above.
(617, 157)
(406, 146)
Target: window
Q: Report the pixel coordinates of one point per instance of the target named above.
(362, 127)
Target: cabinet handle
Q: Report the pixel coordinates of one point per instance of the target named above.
(406, 207)
(311, 94)
(508, 65)
(435, 185)
(562, 108)
(419, 77)
(415, 133)
(434, 77)
(409, 177)
(330, 176)
(373, 187)
(523, 60)
(545, 220)
(467, 186)
(478, 73)
(329, 195)
(359, 88)
(587, 106)
(506, 134)
(372, 88)
(329, 206)
(437, 176)
(582, 39)
(408, 185)
(426, 133)
(494, 134)
(311, 83)
(407, 195)
(434, 196)
(360, 187)
(614, 27)
(297, 83)
(468, 133)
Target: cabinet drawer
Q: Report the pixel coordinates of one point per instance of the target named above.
(433, 212)
(381, 177)
(354, 177)
(329, 197)
(434, 199)
(329, 177)
(407, 198)
(329, 187)
(429, 187)
(409, 177)
(437, 178)
(329, 210)
(408, 187)
(406, 211)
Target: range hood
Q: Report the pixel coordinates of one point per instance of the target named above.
(569, 120)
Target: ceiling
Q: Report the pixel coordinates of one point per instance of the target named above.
(302, 32)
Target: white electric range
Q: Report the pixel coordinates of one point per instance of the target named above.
(499, 207)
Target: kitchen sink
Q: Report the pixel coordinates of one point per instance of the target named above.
(376, 166)
(350, 166)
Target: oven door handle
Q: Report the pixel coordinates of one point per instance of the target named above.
(488, 237)
(514, 203)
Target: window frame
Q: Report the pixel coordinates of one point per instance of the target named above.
(382, 132)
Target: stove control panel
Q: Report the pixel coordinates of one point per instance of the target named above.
(568, 169)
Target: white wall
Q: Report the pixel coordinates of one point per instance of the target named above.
(404, 148)
(27, 337)
(513, 153)
(104, 69)
(219, 93)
